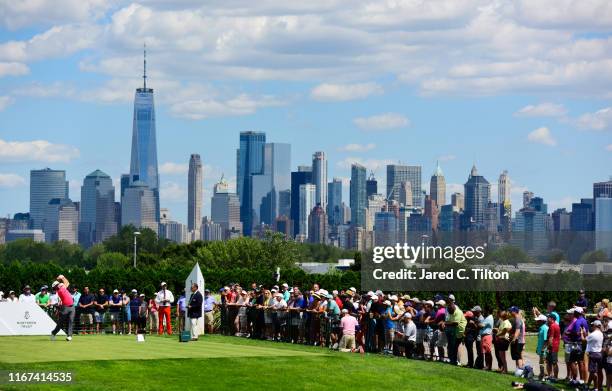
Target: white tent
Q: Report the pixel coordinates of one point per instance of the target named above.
(194, 277)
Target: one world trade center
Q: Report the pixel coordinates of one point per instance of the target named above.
(143, 165)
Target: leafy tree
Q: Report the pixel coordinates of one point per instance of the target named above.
(594, 256)
(112, 260)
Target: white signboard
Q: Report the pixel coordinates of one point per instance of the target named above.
(24, 319)
(194, 277)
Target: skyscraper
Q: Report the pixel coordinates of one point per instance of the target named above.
(45, 185)
(194, 195)
(503, 188)
(603, 224)
(307, 193)
(527, 196)
(504, 202)
(358, 199)
(437, 186)
(98, 220)
(249, 161)
(405, 194)
(61, 221)
(385, 229)
(371, 185)
(138, 207)
(396, 174)
(274, 179)
(298, 178)
(143, 165)
(319, 177)
(334, 198)
(601, 189)
(457, 201)
(317, 225)
(477, 195)
(225, 209)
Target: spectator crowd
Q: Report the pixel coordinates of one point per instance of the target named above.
(436, 328)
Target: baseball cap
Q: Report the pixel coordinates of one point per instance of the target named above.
(468, 314)
(451, 297)
(55, 283)
(513, 309)
(407, 315)
(345, 311)
(26, 287)
(286, 285)
(352, 289)
(431, 303)
(596, 323)
(387, 302)
(44, 287)
(577, 309)
(477, 309)
(163, 283)
(416, 300)
(134, 291)
(142, 295)
(115, 291)
(441, 303)
(374, 298)
(541, 318)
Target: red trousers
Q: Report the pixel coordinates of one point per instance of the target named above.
(164, 312)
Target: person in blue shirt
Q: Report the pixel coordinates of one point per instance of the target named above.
(541, 350)
(115, 303)
(134, 307)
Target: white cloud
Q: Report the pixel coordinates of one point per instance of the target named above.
(5, 101)
(357, 147)
(454, 188)
(170, 168)
(204, 108)
(11, 180)
(599, 120)
(545, 109)
(36, 151)
(172, 192)
(23, 13)
(384, 121)
(344, 92)
(542, 135)
(13, 69)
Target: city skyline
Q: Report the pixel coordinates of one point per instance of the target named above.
(537, 113)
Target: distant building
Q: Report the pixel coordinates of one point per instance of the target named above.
(437, 186)
(211, 231)
(225, 209)
(529, 231)
(603, 225)
(334, 202)
(376, 203)
(477, 192)
(371, 185)
(319, 178)
(194, 195)
(581, 218)
(385, 229)
(174, 231)
(561, 220)
(358, 199)
(138, 207)
(45, 185)
(396, 174)
(457, 201)
(98, 218)
(307, 197)
(298, 178)
(36, 235)
(250, 161)
(405, 194)
(283, 225)
(527, 196)
(432, 212)
(61, 221)
(317, 225)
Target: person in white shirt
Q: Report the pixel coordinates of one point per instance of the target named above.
(27, 296)
(12, 298)
(278, 306)
(164, 300)
(408, 332)
(593, 349)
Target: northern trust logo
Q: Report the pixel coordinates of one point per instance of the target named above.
(26, 315)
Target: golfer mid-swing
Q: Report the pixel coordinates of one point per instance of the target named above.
(66, 312)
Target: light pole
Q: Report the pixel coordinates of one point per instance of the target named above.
(136, 233)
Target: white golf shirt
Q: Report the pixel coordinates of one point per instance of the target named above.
(164, 298)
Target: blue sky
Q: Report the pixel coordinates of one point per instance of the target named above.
(522, 86)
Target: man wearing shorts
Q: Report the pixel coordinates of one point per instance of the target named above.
(486, 337)
(554, 339)
(517, 336)
(348, 324)
(66, 310)
(593, 348)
